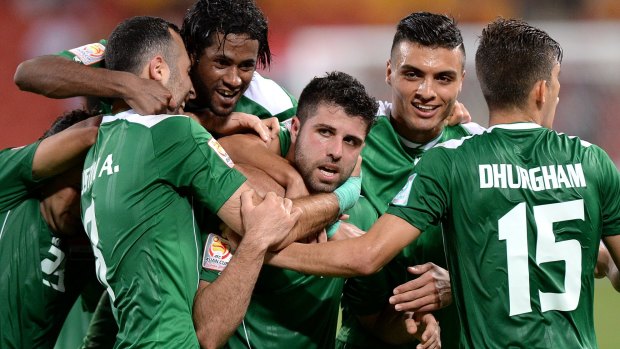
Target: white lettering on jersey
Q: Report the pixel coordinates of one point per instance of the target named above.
(536, 179)
(108, 166)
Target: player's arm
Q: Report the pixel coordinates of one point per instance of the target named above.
(238, 122)
(55, 76)
(266, 157)
(363, 255)
(265, 225)
(613, 246)
(65, 149)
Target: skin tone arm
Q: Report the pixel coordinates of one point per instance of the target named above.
(58, 77)
(363, 255)
(265, 226)
(237, 122)
(65, 149)
(266, 157)
(611, 257)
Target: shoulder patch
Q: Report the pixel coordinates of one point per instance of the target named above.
(215, 145)
(88, 54)
(217, 253)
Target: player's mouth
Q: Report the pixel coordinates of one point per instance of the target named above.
(425, 110)
(328, 172)
(227, 94)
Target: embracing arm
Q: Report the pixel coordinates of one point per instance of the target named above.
(362, 255)
(65, 149)
(58, 77)
(265, 224)
(251, 150)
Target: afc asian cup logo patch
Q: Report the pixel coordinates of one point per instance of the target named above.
(89, 54)
(219, 150)
(217, 253)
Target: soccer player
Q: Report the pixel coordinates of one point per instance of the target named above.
(226, 40)
(141, 181)
(39, 222)
(335, 114)
(523, 217)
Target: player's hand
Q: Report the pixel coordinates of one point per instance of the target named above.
(425, 328)
(269, 222)
(147, 97)
(429, 292)
(295, 186)
(460, 115)
(347, 231)
(238, 122)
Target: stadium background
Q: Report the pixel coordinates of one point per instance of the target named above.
(310, 37)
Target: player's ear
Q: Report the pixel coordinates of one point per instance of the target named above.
(295, 126)
(540, 92)
(158, 69)
(388, 72)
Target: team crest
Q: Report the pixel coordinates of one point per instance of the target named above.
(215, 145)
(89, 54)
(217, 253)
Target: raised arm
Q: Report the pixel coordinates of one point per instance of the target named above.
(363, 255)
(265, 225)
(58, 77)
(65, 149)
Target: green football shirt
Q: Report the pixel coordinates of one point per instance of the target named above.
(140, 182)
(37, 287)
(263, 98)
(389, 160)
(287, 309)
(523, 209)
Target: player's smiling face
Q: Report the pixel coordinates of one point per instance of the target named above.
(425, 82)
(224, 71)
(327, 146)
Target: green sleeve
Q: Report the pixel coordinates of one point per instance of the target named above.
(89, 54)
(428, 199)
(285, 140)
(189, 157)
(16, 175)
(609, 191)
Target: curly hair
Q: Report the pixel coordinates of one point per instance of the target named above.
(206, 18)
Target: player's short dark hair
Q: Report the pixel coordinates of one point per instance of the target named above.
(338, 89)
(431, 30)
(67, 120)
(136, 40)
(206, 18)
(511, 57)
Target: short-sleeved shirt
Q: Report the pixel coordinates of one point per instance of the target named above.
(140, 183)
(37, 286)
(263, 98)
(287, 309)
(523, 210)
(389, 160)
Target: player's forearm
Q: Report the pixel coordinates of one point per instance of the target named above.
(65, 149)
(319, 210)
(58, 77)
(261, 157)
(232, 290)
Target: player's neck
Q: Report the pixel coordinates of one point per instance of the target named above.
(512, 115)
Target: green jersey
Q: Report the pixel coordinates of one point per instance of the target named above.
(139, 185)
(389, 160)
(37, 284)
(522, 221)
(263, 98)
(287, 309)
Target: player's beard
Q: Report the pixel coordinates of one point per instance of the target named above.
(307, 168)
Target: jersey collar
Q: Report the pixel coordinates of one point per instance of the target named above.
(516, 126)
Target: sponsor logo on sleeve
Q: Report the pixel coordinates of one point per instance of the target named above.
(88, 54)
(219, 150)
(217, 253)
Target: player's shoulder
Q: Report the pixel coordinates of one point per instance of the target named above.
(269, 95)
